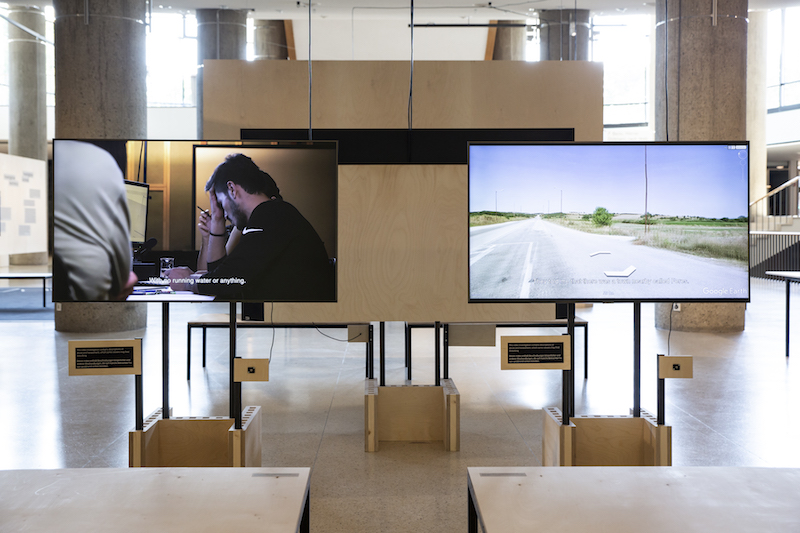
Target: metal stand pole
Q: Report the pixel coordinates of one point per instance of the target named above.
(383, 353)
(571, 332)
(446, 353)
(137, 384)
(408, 352)
(637, 359)
(788, 292)
(165, 360)
(437, 354)
(232, 353)
(661, 416)
(567, 393)
(371, 354)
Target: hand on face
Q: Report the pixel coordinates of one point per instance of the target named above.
(216, 216)
(203, 223)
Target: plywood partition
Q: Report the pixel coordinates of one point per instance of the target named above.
(402, 249)
(374, 94)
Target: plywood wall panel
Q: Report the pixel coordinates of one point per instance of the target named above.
(361, 94)
(374, 94)
(241, 93)
(403, 251)
(510, 94)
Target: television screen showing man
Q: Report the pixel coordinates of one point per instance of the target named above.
(277, 254)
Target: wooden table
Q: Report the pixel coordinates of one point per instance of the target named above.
(166, 500)
(44, 276)
(634, 499)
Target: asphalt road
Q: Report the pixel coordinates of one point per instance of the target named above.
(536, 259)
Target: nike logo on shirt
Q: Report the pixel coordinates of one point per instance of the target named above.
(245, 231)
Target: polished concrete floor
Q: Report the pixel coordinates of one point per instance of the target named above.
(740, 409)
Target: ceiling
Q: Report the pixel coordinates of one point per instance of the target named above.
(782, 153)
(459, 11)
(468, 10)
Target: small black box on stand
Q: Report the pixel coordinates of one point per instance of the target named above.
(253, 311)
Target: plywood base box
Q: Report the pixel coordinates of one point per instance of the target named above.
(417, 413)
(605, 440)
(197, 441)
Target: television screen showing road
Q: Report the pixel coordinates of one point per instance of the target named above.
(608, 222)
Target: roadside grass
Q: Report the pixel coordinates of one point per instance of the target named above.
(486, 218)
(722, 240)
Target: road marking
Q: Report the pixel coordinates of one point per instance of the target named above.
(621, 274)
(525, 293)
(479, 255)
(598, 253)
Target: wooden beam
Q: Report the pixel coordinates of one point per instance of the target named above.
(289, 29)
(490, 38)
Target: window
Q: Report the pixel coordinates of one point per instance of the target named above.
(622, 44)
(171, 77)
(783, 60)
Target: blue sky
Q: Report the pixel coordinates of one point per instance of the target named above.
(682, 180)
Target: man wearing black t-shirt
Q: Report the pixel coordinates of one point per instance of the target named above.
(279, 257)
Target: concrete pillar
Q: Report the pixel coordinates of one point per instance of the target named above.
(757, 102)
(270, 40)
(701, 96)
(221, 34)
(27, 113)
(564, 34)
(509, 42)
(100, 94)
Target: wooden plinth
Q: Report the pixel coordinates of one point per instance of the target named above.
(197, 441)
(605, 441)
(419, 413)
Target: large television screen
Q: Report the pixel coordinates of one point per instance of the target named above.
(605, 222)
(227, 221)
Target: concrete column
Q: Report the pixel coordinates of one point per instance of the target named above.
(100, 94)
(27, 113)
(509, 42)
(757, 102)
(701, 95)
(270, 37)
(221, 34)
(564, 34)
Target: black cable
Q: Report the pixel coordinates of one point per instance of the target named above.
(272, 327)
(490, 6)
(411, 77)
(139, 164)
(310, 134)
(678, 74)
(666, 71)
(669, 335)
(334, 338)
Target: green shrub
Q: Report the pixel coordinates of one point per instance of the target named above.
(601, 217)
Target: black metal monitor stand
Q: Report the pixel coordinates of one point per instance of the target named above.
(567, 376)
(637, 359)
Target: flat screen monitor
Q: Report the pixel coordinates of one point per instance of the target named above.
(137, 194)
(278, 238)
(608, 222)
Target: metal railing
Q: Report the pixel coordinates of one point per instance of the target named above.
(774, 242)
